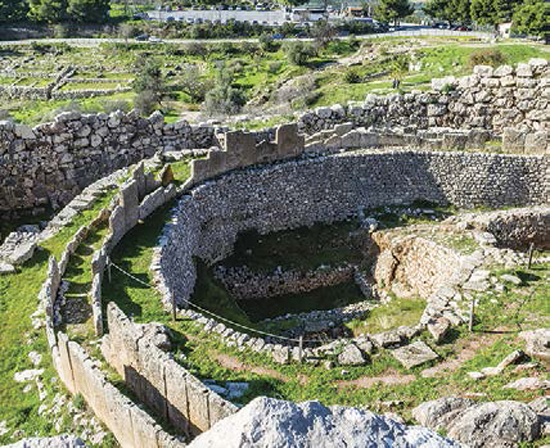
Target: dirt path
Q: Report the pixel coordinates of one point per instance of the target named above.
(467, 352)
(390, 378)
(232, 363)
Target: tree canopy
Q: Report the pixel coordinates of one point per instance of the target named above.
(451, 11)
(493, 12)
(388, 11)
(533, 18)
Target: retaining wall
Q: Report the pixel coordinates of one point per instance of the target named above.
(489, 99)
(158, 380)
(326, 189)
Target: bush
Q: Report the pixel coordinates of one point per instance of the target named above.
(299, 53)
(266, 42)
(223, 99)
(145, 102)
(352, 77)
(274, 67)
(491, 57)
(61, 31)
(112, 106)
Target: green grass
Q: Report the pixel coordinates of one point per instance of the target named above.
(398, 312)
(18, 301)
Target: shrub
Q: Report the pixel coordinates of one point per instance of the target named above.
(274, 67)
(114, 105)
(266, 42)
(223, 99)
(299, 53)
(489, 56)
(145, 102)
(61, 31)
(352, 77)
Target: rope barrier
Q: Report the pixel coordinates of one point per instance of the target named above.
(218, 317)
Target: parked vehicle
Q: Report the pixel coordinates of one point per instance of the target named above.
(142, 37)
(277, 36)
(154, 39)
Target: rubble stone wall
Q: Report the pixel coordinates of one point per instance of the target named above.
(46, 166)
(489, 99)
(327, 189)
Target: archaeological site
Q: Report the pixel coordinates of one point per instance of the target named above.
(370, 273)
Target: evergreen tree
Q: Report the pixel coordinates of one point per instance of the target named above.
(12, 10)
(50, 11)
(493, 12)
(88, 11)
(533, 18)
(392, 10)
(450, 11)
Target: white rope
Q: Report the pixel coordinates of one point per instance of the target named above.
(216, 316)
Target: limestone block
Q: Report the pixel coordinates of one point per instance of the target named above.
(524, 70)
(484, 71)
(503, 70)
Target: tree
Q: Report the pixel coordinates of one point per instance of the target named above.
(323, 32)
(89, 11)
(50, 11)
(12, 10)
(450, 11)
(223, 99)
(493, 12)
(389, 11)
(533, 18)
(299, 53)
(149, 85)
(193, 84)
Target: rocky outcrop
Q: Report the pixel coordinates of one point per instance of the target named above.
(500, 424)
(270, 423)
(537, 343)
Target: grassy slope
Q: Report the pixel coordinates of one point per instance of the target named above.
(200, 352)
(257, 73)
(18, 300)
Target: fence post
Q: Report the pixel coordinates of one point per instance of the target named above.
(471, 321)
(300, 348)
(531, 250)
(109, 268)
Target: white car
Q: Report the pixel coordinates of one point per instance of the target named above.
(154, 39)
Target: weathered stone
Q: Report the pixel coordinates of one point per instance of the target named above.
(537, 343)
(512, 358)
(351, 356)
(414, 354)
(267, 422)
(531, 383)
(439, 328)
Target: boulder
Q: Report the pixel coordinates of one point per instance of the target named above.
(351, 356)
(439, 414)
(512, 358)
(500, 424)
(530, 383)
(439, 328)
(269, 423)
(414, 354)
(537, 343)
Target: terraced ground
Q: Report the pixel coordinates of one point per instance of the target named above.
(342, 71)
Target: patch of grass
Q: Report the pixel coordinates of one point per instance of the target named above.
(397, 312)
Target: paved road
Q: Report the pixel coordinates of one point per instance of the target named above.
(416, 32)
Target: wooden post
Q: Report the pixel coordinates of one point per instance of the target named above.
(300, 348)
(174, 308)
(471, 321)
(109, 269)
(531, 250)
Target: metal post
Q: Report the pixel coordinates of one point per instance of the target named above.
(300, 348)
(109, 269)
(471, 322)
(531, 250)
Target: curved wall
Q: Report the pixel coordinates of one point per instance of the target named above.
(292, 194)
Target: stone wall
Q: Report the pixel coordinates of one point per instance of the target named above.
(158, 380)
(129, 423)
(489, 99)
(46, 166)
(245, 284)
(412, 266)
(326, 189)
